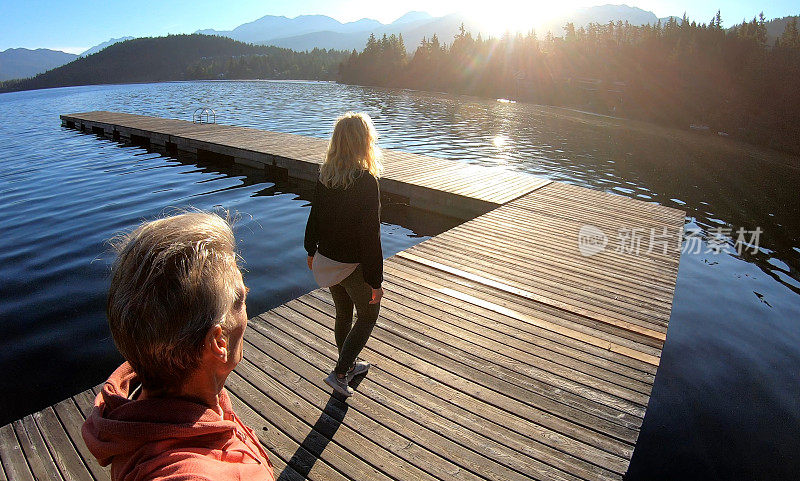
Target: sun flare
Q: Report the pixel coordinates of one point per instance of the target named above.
(499, 17)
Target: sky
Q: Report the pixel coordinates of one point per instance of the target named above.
(75, 26)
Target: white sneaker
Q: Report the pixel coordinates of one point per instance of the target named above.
(359, 367)
(339, 385)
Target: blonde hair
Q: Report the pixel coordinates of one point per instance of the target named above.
(172, 281)
(352, 149)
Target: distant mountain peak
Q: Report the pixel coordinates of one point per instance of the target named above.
(103, 45)
(413, 16)
(364, 21)
(268, 17)
(621, 7)
(612, 12)
(312, 16)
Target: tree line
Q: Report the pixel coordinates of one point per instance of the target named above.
(185, 57)
(274, 63)
(679, 72)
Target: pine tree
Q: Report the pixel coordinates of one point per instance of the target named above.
(790, 38)
(762, 30)
(569, 32)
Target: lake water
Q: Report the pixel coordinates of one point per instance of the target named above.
(725, 401)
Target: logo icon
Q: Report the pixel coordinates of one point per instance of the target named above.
(591, 240)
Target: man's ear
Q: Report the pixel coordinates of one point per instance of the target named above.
(217, 343)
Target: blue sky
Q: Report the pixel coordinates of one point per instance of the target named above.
(76, 26)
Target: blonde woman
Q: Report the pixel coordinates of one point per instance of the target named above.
(343, 240)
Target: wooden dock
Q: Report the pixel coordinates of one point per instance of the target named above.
(444, 186)
(501, 353)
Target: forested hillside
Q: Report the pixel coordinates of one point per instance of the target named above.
(185, 57)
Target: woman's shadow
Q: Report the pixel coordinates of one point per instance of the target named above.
(312, 447)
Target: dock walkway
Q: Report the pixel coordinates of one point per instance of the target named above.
(501, 353)
(445, 186)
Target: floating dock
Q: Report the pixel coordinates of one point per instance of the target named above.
(441, 185)
(502, 352)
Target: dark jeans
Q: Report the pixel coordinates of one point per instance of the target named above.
(351, 338)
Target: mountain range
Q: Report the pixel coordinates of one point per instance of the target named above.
(22, 62)
(319, 31)
(17, 63)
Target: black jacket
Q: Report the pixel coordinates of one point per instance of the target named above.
(344, 225)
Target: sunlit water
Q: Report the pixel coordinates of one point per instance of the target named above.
(725, 402)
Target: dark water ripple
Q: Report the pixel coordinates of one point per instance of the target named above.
(725, 402)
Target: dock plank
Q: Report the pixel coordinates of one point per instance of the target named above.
(12, 456)
(530, 349)
(39, 459)
(72, 420)
(543, 259)
(85, 401)
(560, 295)
(405, 435)
(554, 378)
(563, 322)
(290, 461)
(61, 448)
(304, 429)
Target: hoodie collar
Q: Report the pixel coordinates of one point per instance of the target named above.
(118, 425)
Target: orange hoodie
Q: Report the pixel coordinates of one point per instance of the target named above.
(170, 439)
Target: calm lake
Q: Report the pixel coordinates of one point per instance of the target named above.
(726, 401)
